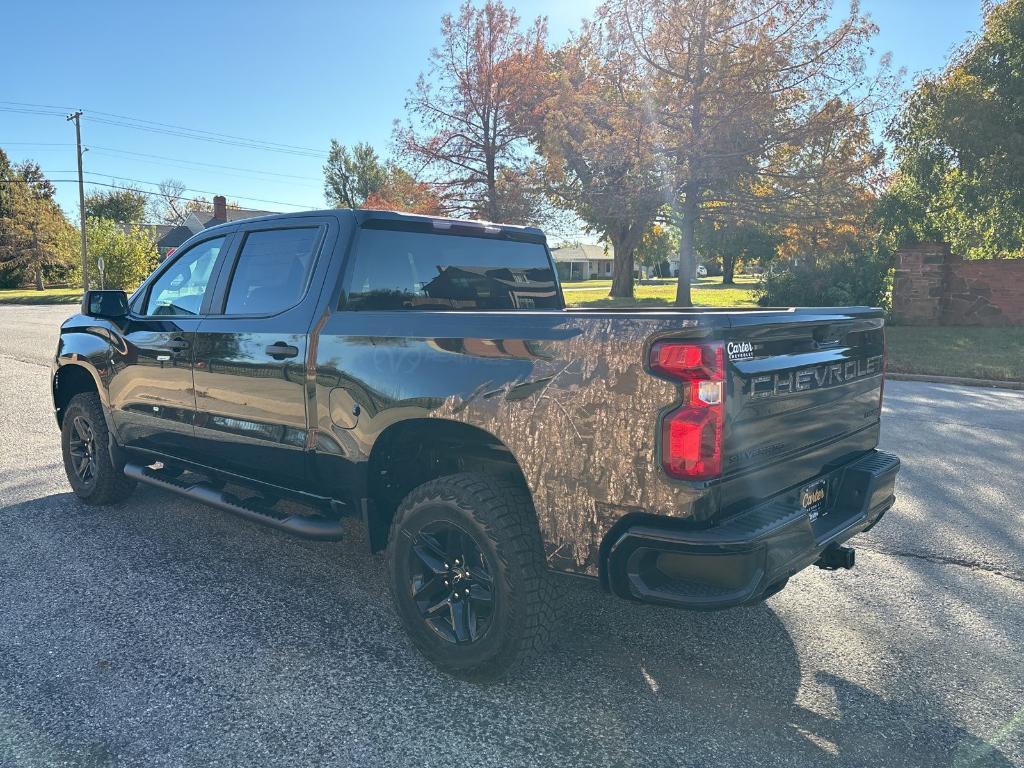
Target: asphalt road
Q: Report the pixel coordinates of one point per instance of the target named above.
(164, 633)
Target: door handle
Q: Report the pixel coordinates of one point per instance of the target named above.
(280, 350)
(177, 345)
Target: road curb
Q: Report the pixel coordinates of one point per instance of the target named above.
(958, 381)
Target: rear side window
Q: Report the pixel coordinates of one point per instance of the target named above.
(419, 270)
(272, 271)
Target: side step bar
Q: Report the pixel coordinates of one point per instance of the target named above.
(317, 528)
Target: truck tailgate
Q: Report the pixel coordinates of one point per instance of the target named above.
(804, 396)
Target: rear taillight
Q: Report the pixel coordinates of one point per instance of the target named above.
(691, 435)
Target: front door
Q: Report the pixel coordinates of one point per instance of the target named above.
(250, 353)
(151, 391)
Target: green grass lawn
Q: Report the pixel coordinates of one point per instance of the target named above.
(49, 296)
(974, 353)
(707, 292)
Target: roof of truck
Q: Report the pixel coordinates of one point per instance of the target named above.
(440, 223)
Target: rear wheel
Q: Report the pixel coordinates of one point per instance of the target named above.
(86, 448)
(467, 574)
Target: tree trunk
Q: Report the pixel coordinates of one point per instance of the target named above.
(687, 229)
(728, 269)
(39, 279)
(622, 267)
(493, 206)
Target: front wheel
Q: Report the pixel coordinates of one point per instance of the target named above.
(94, 477)
(467, 574)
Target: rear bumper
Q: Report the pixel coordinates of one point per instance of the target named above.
(749, 556)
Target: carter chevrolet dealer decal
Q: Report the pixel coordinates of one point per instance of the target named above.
(740, 350)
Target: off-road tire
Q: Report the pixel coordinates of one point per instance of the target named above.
(107, 483)
(499, 517)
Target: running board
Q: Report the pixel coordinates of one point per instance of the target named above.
(318, 528)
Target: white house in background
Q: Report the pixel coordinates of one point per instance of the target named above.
(586, 261)
(583, 261)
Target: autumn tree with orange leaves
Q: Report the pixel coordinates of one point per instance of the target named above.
(593, 126)
(740, 88)
(463, 134)
(401, 192)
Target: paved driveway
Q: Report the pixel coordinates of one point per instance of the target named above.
(161, 632)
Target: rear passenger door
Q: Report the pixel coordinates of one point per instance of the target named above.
(250, 351)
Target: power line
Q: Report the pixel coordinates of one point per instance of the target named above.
(113, 119)
(174, 162)
(209, 133)
(169, 129)
(29, 111)
(44, 106)
(159, 194)
(212, 139)
(196, 191)
(197, 162)
(262, 175)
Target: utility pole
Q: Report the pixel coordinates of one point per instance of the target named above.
(77, 117)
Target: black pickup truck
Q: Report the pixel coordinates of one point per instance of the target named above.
(424, 375)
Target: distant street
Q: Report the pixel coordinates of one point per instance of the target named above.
(161, 632)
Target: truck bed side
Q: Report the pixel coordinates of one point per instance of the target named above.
(569, 395)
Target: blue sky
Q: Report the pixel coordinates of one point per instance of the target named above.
(296, 74)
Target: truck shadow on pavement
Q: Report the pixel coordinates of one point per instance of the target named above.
(129, 626)
(715, 681)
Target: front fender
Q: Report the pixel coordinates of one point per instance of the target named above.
(91, 345)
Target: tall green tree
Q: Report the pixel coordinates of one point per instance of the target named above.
(351, 176)
(361, 179)
(658, 247)
(6, 184)
(959, 144)
(10, 276)
(34, 235)
(125, 206)
(730, 240)
(30, 173)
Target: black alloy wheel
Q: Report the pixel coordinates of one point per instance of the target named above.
(450, 583)
(82, 447)
(88, 453)
(467, 575)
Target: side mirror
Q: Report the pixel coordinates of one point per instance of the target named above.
(110, 304)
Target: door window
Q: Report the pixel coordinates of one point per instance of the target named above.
(272, 271)
(180, 290)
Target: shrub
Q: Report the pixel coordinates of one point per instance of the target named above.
(129, 254)
(849, 279)
(13, 276)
